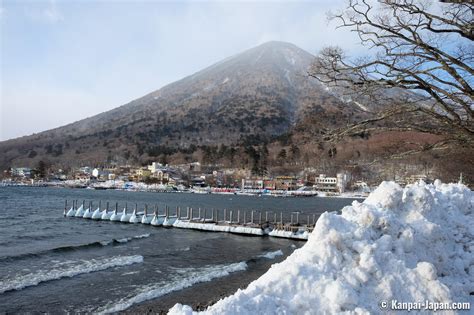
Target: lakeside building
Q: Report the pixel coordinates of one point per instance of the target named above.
(269, 184)
(325, 183)
(161, 175)
(248, 183)
(155, 167)
(193, 167)
(24, 172)
(100, 174)
(286, 183)
(82, 176)
(199, 182)
(412, 179)
(85, 170)
(331, 184)
(360, 186)
(279, 183)
(142, 173)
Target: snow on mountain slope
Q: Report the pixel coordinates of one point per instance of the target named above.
(410, 245)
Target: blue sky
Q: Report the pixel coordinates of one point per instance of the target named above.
(62, 61)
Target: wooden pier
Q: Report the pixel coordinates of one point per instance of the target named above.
(250, 222)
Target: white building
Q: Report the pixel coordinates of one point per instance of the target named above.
(154, 167)
(252, 183)
(331, 184)
(342, 180)
(21, 171)
(101, 174)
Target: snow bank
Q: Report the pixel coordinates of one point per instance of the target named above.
(409, 245)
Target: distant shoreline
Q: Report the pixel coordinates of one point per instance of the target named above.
(152, 188)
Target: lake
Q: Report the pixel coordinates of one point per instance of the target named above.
(49, 263)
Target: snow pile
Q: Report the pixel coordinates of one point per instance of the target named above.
(410, 245)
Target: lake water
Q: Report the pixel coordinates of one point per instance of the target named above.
(49, 263)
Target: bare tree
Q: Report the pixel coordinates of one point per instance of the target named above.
(420, 73)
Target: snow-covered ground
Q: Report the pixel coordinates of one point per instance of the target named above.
(406, 245)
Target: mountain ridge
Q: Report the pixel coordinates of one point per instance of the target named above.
(260, 93)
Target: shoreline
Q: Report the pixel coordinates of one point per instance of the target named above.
(317, 194)
(202, 295)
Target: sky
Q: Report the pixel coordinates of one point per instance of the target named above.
(62, 61)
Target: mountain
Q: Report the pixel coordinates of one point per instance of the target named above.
(257, 95)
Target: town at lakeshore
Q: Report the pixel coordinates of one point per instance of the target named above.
(195, 178)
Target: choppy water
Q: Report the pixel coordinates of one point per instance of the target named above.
(49, 263)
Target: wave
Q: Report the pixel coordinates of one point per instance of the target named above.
(192, 277)
(79, 267)
(69, 248)
(184, 249)
(272, 255)
(125, 239)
